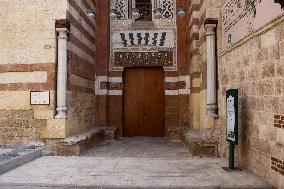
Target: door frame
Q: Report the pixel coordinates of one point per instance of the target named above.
(123, 94)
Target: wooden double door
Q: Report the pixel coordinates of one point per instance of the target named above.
(144, 102)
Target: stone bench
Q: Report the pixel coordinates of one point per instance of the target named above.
(199, 145)
(77, 144)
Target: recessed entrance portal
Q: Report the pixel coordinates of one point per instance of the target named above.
(144, 102)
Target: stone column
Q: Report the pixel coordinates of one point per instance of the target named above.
(211, 70)
(62, 74)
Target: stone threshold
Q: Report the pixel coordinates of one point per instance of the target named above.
(50, 186)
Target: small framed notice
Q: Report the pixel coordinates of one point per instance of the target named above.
(40, 97)
(232, 116)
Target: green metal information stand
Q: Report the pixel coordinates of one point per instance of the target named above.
(232, 124)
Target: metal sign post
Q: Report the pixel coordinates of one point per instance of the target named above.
(232, 124)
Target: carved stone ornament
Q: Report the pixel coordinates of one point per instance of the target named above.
(62, 23)
(130, 59)
(281, 2)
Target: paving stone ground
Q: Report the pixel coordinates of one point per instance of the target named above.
(4, 151)
(130, 163)
(139, 147)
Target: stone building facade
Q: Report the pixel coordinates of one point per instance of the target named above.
(29, 51)
(63, 73)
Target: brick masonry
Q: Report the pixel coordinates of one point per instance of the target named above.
(279, 121)
(112, 85)
(175, 85)
(277, 165)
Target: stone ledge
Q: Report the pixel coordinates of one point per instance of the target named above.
(199, 145)
(77, 144)
(174, 134)
(17, 155)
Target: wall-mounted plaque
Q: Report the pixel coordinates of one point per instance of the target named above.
(40, 98)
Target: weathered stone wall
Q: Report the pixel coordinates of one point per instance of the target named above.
(200, 11)
(81, 67)
(27, 63)
(255, 67)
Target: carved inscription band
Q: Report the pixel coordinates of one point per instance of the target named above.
(130, 59)
(119, 86)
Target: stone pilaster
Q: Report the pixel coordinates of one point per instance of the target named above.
(62, 74)
(211, 70)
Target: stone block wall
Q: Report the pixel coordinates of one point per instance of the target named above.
(81, 67)
(255, 66)
(27, 63)
(200, 11)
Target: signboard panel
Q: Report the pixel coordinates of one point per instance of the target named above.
(40, 98)
(232, 115)
(239, 19)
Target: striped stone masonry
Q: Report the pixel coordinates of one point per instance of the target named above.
(24, 77)
(173, 85)
(81, 45)
(194, 27)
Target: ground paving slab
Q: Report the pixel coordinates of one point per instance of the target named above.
(139, 147)
(107, 170)
(12, 156)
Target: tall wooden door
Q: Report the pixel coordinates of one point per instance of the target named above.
(144, 102)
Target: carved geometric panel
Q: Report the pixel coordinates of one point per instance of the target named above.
(158, 38)
(121, 8)
(167, 7)
(130, 59)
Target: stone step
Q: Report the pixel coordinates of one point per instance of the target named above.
(39, 186)
(17, 156)
(199, 145)
(77, 144)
